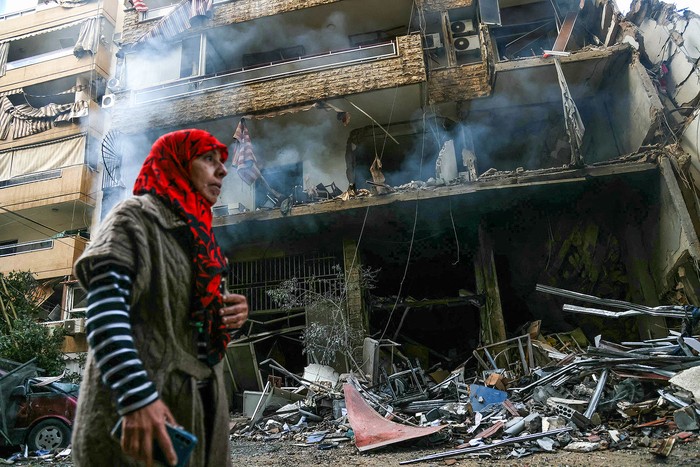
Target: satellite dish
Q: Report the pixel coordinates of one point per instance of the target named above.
(113, 148)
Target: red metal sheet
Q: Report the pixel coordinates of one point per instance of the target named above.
(371, 429)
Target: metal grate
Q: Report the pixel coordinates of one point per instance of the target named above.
(254, 278)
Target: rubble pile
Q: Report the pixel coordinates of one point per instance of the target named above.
(528, 394)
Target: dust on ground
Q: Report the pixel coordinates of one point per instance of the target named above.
(286, 453)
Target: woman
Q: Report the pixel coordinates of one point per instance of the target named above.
(157, 324)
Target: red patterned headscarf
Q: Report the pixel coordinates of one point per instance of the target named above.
(166, 174)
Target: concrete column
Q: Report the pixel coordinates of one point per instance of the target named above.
(493, 327)
(356, 312)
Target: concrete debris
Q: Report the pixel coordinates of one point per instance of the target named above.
(540, 393)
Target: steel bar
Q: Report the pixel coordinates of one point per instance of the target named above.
(526, 367)
(490, 358)
(676, 401)
(546, 379)
(623, 314)
(495, 444)
(595, 399)
(665, 310)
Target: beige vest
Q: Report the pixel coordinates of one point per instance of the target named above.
(150, 240)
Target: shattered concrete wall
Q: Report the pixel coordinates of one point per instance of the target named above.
(669, 46)
(634, 111)
(678, 244)
(670, 41)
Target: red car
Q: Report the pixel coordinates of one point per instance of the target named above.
(39, 414)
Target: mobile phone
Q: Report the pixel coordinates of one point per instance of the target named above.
(183, 443)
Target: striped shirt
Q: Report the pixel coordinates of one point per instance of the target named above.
(111, 339)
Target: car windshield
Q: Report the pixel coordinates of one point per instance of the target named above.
(69, 388)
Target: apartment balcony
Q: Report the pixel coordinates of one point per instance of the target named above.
(54, 65)
(46, 258)
(47, 16)
(94, 123)
(287, 83)
(49, 188)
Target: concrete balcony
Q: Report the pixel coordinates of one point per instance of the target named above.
(44, 17)
(295, 82)
(61, 63)
(47, 258)
(49, 189)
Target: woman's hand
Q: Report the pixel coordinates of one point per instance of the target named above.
(235, 310)
(141, 427)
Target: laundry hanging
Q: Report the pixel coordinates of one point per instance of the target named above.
(243, 159)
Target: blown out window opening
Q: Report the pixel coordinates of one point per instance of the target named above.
(307, 64)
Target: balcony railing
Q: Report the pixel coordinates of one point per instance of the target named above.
(46, 258)
(22, 12)
(19, 248)
(31, 178)
(34, 59)
(266, 72)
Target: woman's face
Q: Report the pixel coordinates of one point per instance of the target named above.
(207, 173)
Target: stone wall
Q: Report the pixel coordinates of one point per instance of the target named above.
(459, 83)
(442, 5)
(407, 68)
(228, 13)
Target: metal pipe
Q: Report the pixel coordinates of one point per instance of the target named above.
(623, 314)
(495, 444)
(595, 399)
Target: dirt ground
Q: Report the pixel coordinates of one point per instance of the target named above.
(248, 453)
(284, 454)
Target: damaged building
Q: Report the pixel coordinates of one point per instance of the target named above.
(421, 165)
(55, 60)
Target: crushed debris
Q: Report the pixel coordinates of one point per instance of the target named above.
(527, 394)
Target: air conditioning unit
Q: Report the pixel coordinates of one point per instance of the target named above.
(433, 41)
(114, 85)
(462, 27)
(74, 326)
(107, 100)
(467, 43)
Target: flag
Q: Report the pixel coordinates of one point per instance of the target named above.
(243, 159)
(140, 5)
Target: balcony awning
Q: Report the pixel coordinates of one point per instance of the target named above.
(5, 45)
(178, 20)
(42, 157)
(44, 31)
(25, 120)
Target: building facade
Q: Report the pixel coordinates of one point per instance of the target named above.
(455, 152)
(55, 60)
